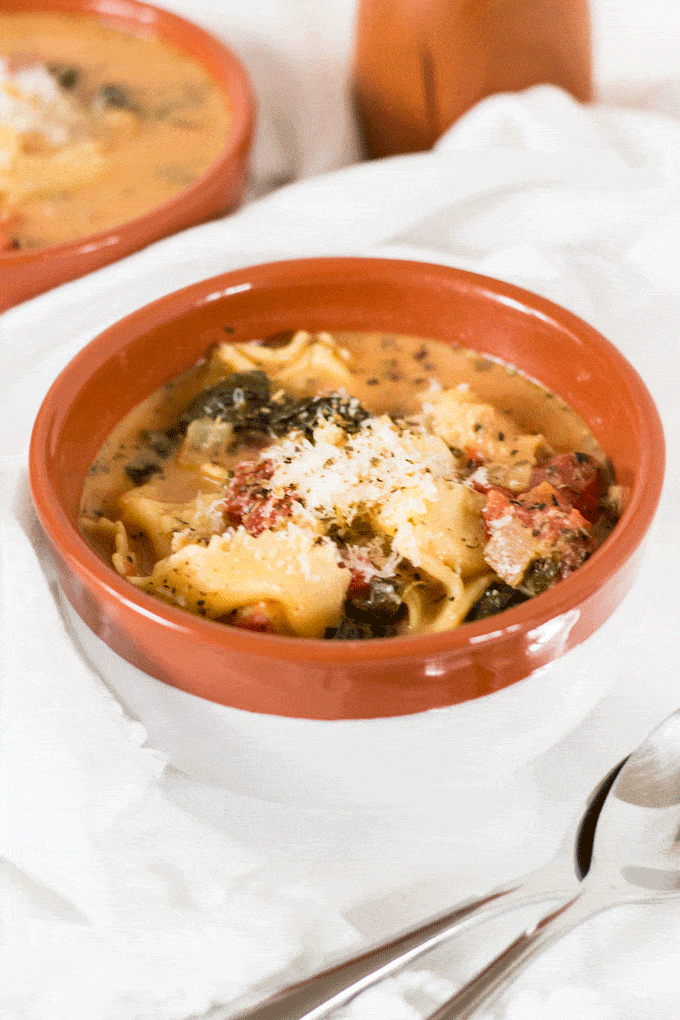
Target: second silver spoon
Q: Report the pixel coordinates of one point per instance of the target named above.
(635, 859)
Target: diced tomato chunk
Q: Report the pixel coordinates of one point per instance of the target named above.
(538, 524)
(576, 477)
(361, 570)
(358, 585)
(251, 503)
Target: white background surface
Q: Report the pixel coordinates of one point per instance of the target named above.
(635, 41)
(133, 891)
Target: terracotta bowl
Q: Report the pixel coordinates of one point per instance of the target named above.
(26, 273)
(473, 676)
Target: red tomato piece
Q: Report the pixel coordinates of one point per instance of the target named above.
(251, 503)
(576, 477)
(538, 524)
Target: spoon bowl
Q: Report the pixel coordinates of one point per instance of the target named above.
(639, 828)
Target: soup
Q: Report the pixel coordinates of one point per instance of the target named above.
(97, 126)
(348, 486)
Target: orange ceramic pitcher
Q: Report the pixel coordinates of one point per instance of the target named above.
(420, 64)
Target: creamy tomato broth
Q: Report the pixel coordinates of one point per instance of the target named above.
(97, 126)
(349, 486)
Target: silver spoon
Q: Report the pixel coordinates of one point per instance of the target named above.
(317, 996)
(635, 859)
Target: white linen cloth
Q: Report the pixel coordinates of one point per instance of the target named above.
(133, 892)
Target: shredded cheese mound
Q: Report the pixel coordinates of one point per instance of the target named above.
(31, 102)
(337, 475)
(370, 559)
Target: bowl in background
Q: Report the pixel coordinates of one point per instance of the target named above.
(25, 273)
(290, 711)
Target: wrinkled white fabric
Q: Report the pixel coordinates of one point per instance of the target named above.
(133, 892)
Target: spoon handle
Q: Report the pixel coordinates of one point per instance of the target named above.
(315, 997)
(488, 984)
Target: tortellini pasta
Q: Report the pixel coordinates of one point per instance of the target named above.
(279, 496)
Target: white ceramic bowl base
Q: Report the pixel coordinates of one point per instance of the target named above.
(401, 761)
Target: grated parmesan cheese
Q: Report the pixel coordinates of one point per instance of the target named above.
(31, 102)
(339, 476)
(480, 477)
(207, 520)
(370, 559)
